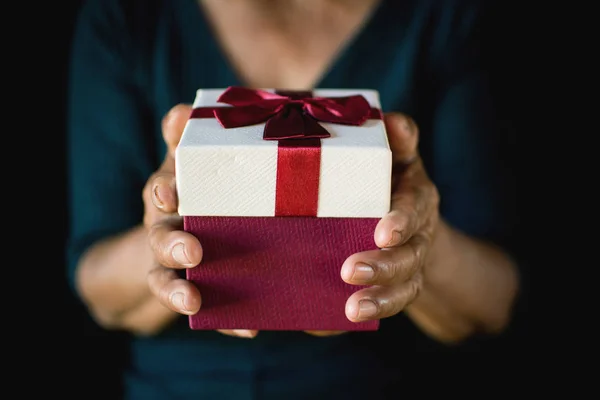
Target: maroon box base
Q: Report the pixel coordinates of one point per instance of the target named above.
(276, 273)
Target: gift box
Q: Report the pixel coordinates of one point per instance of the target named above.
(280, 187)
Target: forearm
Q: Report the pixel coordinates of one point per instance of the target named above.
(470, 286)
(112, 282)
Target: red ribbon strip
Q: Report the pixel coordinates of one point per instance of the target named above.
(291, 118)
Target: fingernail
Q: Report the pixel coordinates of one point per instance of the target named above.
(363, 272)
(408, 126)
(366, 309)
(244, 333)
(156, 197)
(179, 255)
(395, 238)
(169, 114)
(178, 301)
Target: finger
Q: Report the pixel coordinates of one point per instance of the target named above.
(173, 247)
(403, 137)
(160, 193)
(413, 201)
(386, 267)
(243, 333)
(379, 302)
(173, 124)
(173, 292)
(159, 198)
(325, 333)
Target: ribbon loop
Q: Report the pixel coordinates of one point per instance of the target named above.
(289, 114)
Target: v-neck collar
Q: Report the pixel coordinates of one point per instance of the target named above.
(331, 78)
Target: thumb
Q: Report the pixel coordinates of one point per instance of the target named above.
(172, 125)
(403, 136)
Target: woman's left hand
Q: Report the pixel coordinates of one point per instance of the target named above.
(404, 236)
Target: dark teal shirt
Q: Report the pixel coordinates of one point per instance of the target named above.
(133, 60)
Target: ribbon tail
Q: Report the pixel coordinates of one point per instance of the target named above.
(293, 123)
(286, 124)
(312, 129)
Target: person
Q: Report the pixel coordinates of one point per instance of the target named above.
(445, 273)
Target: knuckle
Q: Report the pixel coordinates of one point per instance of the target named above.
(416, 285)
(417, 250)
(392, 270)
(405, 215)
(405, 295)
(163, 288)
(413, 220)
(156, 240)
(385, 271)
(413, 290)
(433, 194)
(162, 236)
(154, 235)
(164, 295)
(389, 307)
(396, 307)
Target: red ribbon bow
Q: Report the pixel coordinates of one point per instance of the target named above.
(288, 115)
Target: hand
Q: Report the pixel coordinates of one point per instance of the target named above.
(404, 235)
(173, 248)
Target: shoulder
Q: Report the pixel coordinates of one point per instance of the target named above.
(118, 24)
(440, 28)
(454, 22)
(454, 36)
(441, 15)
(116, 36)
(120, 13)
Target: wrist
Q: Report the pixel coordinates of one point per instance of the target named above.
(443, 263)
(112, 276)
(432, 311)
(474, 283)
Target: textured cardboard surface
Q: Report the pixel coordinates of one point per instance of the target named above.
(276, 273)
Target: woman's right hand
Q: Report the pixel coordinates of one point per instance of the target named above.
(173, 248)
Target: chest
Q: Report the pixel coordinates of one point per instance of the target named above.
(283, 48)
